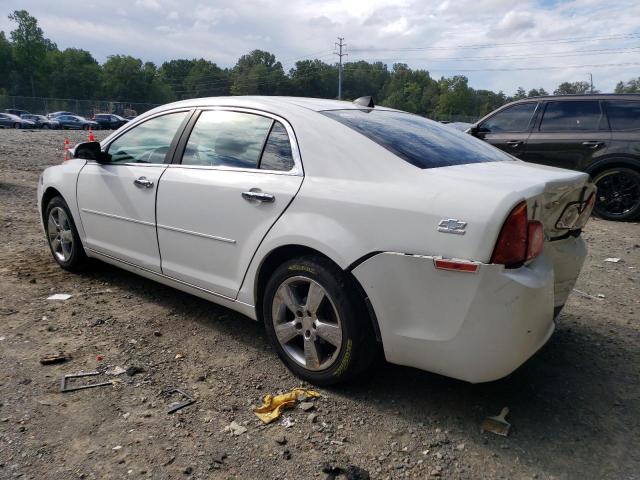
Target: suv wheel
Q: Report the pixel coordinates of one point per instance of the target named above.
(618, 196)
(63, 237)
(317, 322)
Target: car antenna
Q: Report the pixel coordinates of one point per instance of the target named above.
(366, 101)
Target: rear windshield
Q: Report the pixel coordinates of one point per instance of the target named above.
(421, 142)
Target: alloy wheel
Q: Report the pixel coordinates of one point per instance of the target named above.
(60, 234)
(618, 194)
(306, 323)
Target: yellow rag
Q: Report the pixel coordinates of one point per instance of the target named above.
(272, 407)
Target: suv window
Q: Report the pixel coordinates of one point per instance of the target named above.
(512, 119)
(623, 115)
(277, 151)
(148, 142)
(572, 116)
(418, 141)
(227, 139)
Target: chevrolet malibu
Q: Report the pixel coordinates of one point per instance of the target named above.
(342, 226)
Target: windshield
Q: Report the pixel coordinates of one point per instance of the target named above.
(417, 140)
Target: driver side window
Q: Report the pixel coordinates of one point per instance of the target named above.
(148, 142)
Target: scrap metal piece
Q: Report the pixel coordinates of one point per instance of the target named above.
(63, 382)
(59, 357)
(497, 424)
(189, 400)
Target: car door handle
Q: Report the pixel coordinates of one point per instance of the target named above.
(593, 144)
(514, 143)
(258, 197)
(143, 182)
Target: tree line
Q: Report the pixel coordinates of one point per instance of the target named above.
(33, 65)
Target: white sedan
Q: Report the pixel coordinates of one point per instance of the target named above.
(342, 226)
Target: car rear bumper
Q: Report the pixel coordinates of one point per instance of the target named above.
(476, 327)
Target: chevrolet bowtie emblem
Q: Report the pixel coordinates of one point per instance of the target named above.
(452, 225)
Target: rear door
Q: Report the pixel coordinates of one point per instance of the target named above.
(509, 128)
(117, 200)
(569, 134)
(238, 173)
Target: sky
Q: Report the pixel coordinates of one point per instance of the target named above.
(497, 44)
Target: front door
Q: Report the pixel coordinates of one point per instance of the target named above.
(509, 128)
(569, 134)
(117, 200)
(238, 173)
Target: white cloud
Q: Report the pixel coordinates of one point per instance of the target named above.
(222, 30)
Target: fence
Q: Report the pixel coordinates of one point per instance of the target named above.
(86, 108)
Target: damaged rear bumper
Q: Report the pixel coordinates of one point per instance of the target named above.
(476, 327)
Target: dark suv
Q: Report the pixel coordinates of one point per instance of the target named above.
(598, 134)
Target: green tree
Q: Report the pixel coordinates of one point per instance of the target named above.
(6, 63)
(129, 79)
(569, 88)
(74, 74)
(29, 51)
(520, 94)
(537, 92)
(456, 98)
(258, 73)
(206, 79)
(631, 86)
(314, 78)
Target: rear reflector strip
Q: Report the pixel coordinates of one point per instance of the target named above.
(456, 266)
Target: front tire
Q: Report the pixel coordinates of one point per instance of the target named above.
(16, 125)
(317, 321)
(618, 196)
(62, 236)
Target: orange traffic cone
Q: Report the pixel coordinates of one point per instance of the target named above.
(67, 145)
(91, 137)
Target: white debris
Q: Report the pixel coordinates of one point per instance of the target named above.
(117, 447)
(2, 338)
(115, 371)
(235, 428)
(612, 259)
(59, 296)
(287, 422)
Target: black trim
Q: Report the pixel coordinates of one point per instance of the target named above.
(361, 260)
(183, 138)
(264, 143)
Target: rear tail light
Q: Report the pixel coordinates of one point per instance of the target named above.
(520, 239)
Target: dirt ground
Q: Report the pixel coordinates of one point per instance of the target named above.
(575, 406)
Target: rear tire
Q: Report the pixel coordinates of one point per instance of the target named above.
(324, 332)
(62, 236)
(618, 196)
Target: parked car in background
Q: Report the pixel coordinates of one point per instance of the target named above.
(41, 121)
(109, 121)
(8, 120)
(57, 114)
(597, 134)
(15, 111)
(398, 230)
(76, 122)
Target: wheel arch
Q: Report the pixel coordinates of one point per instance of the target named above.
(614, 162)
(48, 194)
(286, 252)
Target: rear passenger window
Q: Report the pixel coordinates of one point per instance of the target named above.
(573, 116)
(623, 115)
(277, 151)
(227, 139)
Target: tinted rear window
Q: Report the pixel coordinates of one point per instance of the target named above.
(572, 116)
(624, 115)
(421, 142)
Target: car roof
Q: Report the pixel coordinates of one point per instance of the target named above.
(588, 96)
(269, 103)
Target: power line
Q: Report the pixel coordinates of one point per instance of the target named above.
(488, 45)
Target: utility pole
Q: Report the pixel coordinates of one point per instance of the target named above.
(339, 45)
(591, 82)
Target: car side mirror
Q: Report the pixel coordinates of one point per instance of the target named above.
(91, 151)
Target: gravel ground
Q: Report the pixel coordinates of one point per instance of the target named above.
(575, 406)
